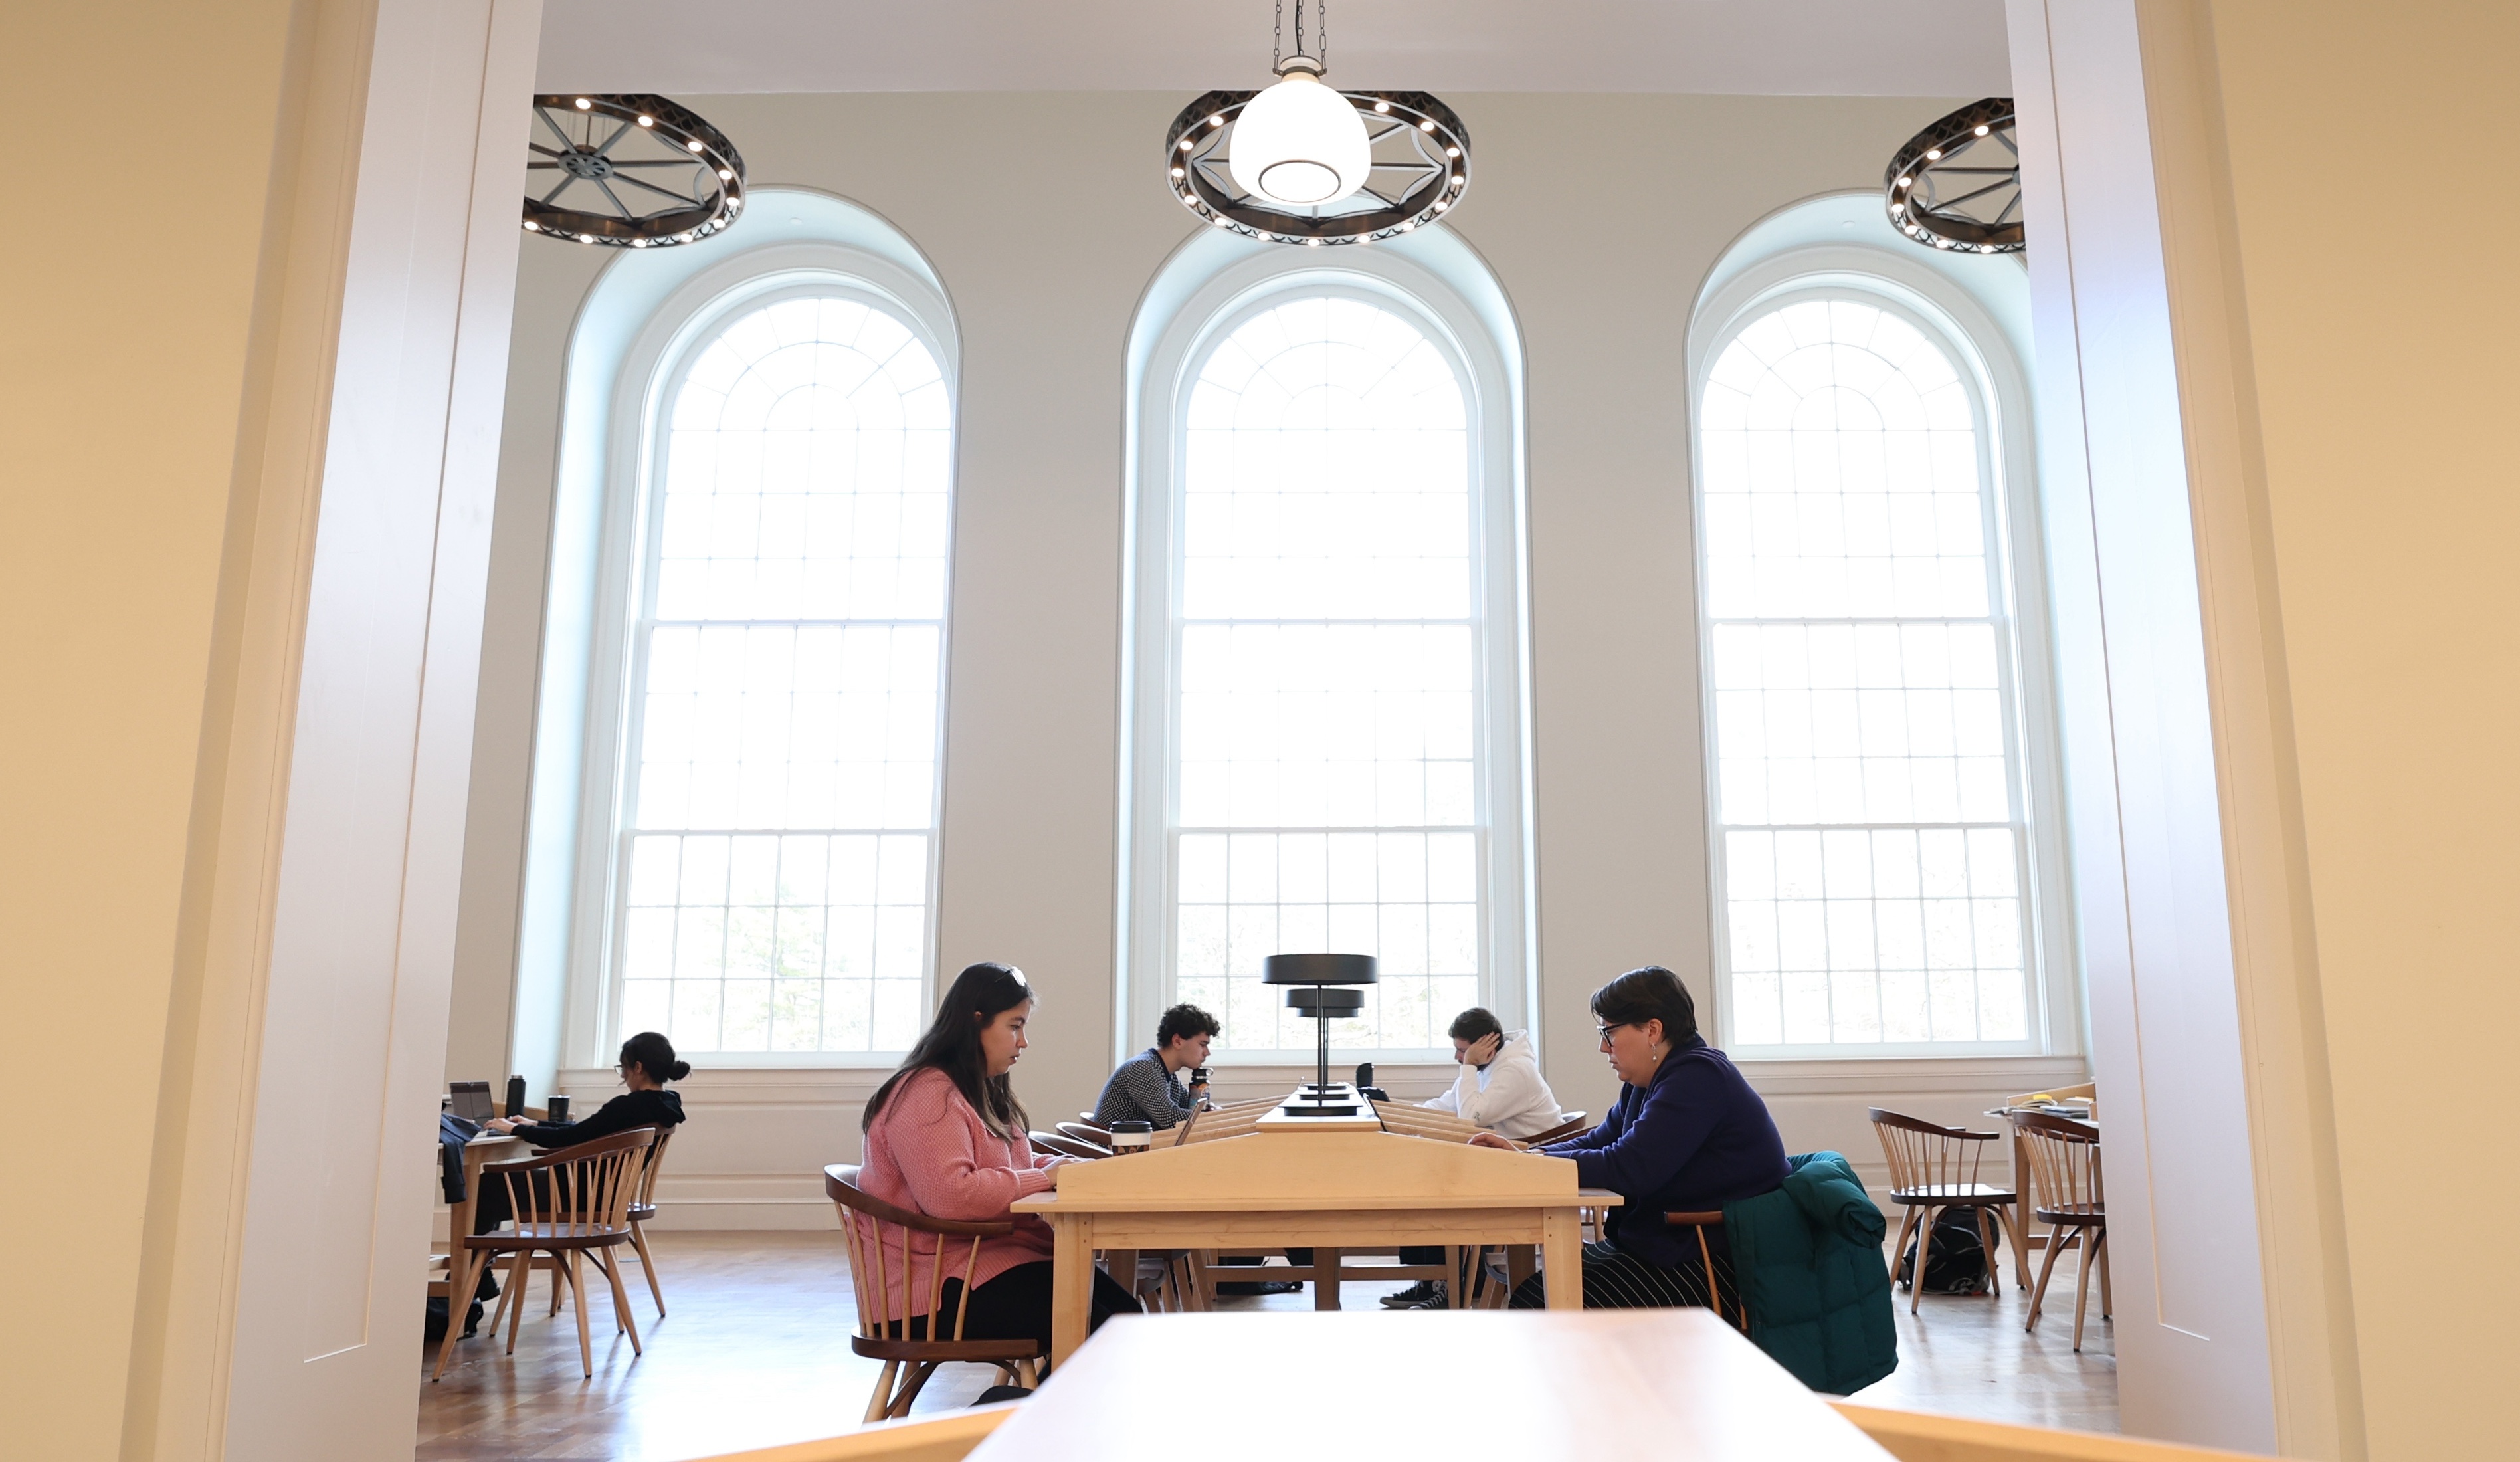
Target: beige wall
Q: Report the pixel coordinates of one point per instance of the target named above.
(1603, 273)
(122, 385)
(2382, 383)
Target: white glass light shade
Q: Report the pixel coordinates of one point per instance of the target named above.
(1300, 143)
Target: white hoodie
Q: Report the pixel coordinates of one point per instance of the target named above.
(1510, 1096)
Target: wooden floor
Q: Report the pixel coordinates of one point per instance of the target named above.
(756, 1352)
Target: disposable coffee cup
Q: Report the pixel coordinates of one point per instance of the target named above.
(1198, 1075)
(1131, 1137)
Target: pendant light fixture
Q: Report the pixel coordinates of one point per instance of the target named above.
(1957, 185)
(1302, 145)
(632, 171)
(1305, 163)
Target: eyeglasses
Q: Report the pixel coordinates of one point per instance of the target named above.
(1604, 1032)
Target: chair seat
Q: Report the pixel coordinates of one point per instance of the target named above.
(2080, 1214)
(877, 1347)
(547, 1236)
(1953, 1194)
(642, 1213)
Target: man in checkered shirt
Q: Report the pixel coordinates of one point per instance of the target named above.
(1147, 1086)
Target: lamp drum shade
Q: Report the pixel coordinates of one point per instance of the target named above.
(1318, 968)
(1322, 1003)
(1300, 143)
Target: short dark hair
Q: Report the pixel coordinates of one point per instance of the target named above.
(1653, 993)
(1182, 1021)
(1475, 1024)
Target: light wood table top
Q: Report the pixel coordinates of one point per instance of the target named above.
(1535, 1385)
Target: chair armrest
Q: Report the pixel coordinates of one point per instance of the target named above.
(842, 1191)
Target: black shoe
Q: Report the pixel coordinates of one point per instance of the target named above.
(1409, 1298)
(1439, 1299)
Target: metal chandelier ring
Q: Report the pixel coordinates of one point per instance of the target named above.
(637, 150)
(1958, 160)
(1427, 168)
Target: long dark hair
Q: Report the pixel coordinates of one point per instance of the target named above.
(980, 994)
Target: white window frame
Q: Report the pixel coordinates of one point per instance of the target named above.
(1980, 351)
(653, 368)
(1491, 390)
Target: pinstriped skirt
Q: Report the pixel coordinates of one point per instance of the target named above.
(1614, 1279)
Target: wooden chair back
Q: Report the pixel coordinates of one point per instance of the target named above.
(642, 1204)
(1569, 1125)
(583, 1194)
(2064, 1156)
(1928, 1158)
(886, 1288)
(1073, 1147)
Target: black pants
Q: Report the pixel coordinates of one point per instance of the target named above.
(1614, 1279)
(1016, 1305)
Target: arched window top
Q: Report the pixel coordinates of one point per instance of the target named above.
(1840, 396)
(808, 457)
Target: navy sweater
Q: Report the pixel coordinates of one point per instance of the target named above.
(1693, 1139)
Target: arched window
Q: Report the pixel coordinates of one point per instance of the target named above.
(779, 788)
(1874, 840)
(1329, 684)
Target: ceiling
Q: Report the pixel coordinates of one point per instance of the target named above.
(1762, 47)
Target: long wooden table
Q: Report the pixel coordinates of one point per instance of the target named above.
(1275, 1187)
(1535, 1387)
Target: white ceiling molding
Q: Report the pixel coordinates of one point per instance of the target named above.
(1726, 47)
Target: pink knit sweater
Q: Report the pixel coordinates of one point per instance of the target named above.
(929, 1151)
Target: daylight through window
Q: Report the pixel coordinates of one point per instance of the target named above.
(780, 808)
(1868, 784)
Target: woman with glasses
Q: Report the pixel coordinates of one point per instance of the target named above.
(1686, 1136)
(647, 1064)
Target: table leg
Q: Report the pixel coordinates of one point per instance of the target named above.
(2021, 1211)
(1326, 1289)
(1561, 1240)
(1122, 1266)
(1071, 1280)
(1519, 1265)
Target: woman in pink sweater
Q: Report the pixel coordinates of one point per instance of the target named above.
(945, 1136)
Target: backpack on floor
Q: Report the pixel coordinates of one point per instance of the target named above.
(434, 1329)
(1957, 1265)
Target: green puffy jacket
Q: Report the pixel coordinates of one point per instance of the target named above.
(1808, 1261)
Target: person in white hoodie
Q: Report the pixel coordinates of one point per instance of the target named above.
(1500, 1088)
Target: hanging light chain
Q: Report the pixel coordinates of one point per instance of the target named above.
(1321, 35)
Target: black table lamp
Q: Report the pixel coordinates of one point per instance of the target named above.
(1323, 991)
